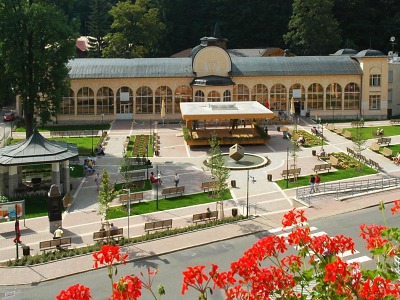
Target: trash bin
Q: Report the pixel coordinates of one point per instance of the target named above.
(233, 183)
(314, 152)
(278, 128)
(269, 177)
(234, 212)
(26, 250)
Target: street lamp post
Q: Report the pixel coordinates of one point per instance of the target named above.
(287, 167)
(157, 184)
(147, 159)
(333, 114)
(247, 195)
(129, 207)
(322, 132)
(92, 141)
(102, 119)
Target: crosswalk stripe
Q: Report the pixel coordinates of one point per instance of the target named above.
(360, 259)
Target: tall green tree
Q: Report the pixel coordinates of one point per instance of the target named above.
(99, 25)
(37, 42)
(106, 195)
(136, 29)
(313, 29)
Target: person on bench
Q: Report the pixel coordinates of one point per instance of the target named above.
(58, 233)
(154, 179)
(396, 160)
(321, 153)
(113, 227)
(379, 131)
(301, 140)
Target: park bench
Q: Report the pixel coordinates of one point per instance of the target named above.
(173, 191)
(373, 164)
(384, 141)
(361, 158)
(350, 151)
(204, 217)
(357, 124)
(208, 185)
(157, 225)
(387, 152)
(339, 130)
(63, 242)
(322, 168)
(331, 127)
(395, 122)
(108, 234)
(333, 160)
(347, 134)
(133, 197)
(135, 176)
(291, 173)
(375, 147)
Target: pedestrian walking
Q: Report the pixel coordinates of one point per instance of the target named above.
(96, 180)
(312, 184)
(176, 179)
(317, 182)
(17, 238)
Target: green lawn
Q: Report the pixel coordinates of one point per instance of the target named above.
(163, 204)
(327, 177)
(367, 131)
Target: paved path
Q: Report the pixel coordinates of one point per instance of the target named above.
(266, 199)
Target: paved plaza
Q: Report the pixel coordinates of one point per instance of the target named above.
(266, 200)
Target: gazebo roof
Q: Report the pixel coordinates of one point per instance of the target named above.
(37, 150)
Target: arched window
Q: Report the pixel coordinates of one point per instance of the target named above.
(278, 98)
(163, 93)
(260, 93)
(125, 100)
(214, 96)
(85, 101)
(105, 101)
(183, 93)
(67, 106)
(199, 96)
(334, 96)
(227, 96)
(241, 93)
(315, 96)
(144, 100)
(351, 96)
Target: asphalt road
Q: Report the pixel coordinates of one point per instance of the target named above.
(222, 253)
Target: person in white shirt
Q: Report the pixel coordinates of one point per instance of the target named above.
(176, 179)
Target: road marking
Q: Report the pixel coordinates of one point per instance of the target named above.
(360, 259)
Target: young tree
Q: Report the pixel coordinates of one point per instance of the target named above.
(219, 173)
(98, 26)
(106, 195)
(137, 29)
(359, 142)
(313, 30)
(39, 40)
(126, 166)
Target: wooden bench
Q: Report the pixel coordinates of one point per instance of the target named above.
(137, 175)
(350, 151)
(387, 152)
(204, 217)
(347, 134)
(339, 130)
(157, 225)
(133, 197)
(384, 141)
(208, 185)
(322, 168)
(108, 234)
(357, 123)
(331, 127)
(373, 164)
(63, 242)
(375, 147)
(173, 191)
(291, 173)
(395, 122)
(333, 160)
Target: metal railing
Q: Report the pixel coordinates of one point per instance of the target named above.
(397, 264)
(344, 189)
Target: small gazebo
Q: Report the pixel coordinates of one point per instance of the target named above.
(36, 150)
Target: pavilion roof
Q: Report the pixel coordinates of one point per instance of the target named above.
(37, 150)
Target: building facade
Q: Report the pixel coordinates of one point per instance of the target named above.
(345, 85)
